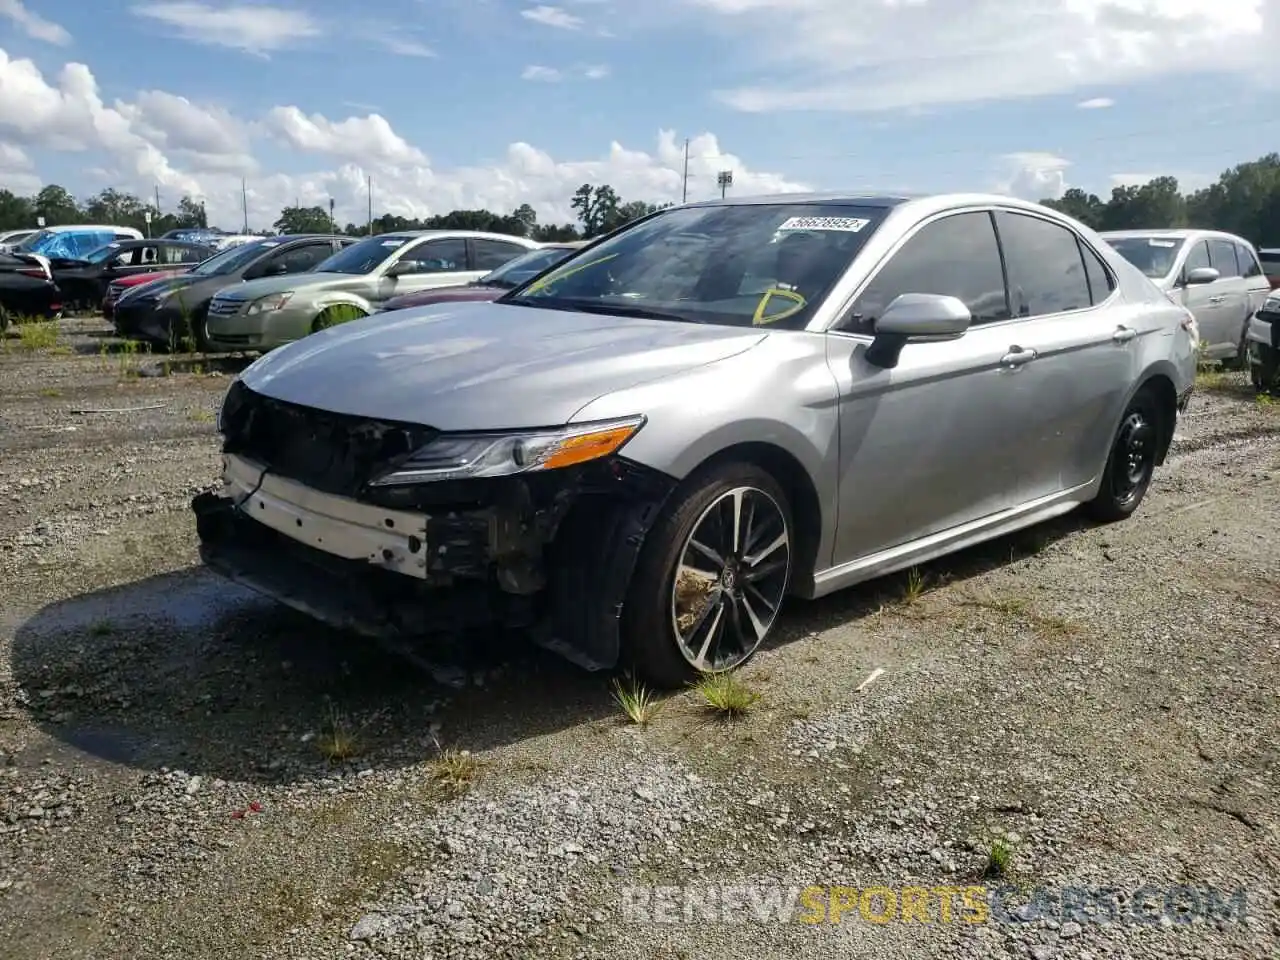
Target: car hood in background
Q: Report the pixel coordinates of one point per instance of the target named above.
(265, 286)
(456, 294)
(179, 282)
(484, 366)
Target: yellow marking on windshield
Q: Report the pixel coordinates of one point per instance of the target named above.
(759, 319)
(547, 281)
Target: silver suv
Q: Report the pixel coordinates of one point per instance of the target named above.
(642, 451)
(1217, 276)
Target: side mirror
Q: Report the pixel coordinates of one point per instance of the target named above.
(401, 267)
(1201, 275)
(916, 318)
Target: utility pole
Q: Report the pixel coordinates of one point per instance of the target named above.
(684, 190)
(333, 224)
(157, 199)
(371, 205)
(244, 202)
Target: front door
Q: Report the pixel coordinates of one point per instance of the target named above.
(938, 440)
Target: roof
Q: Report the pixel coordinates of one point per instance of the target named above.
(884, 200)
(1173, 233)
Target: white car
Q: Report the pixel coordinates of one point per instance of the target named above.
(1215, 275)
(1263, 344)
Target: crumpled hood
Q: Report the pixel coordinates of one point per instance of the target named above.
(484, 366)
(265, 286)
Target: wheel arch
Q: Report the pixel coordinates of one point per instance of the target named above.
(1160, 383)
(796, 481)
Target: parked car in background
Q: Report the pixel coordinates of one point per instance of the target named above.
(28, 294)
(227, 241)
(167, 311)
(1271, 266)
(1263, 344)
(494, 283)
(1217, 276)
(118, 288)
(643, 451)
(11, 238)
(268, 313)
(73, 240)
(84, 281)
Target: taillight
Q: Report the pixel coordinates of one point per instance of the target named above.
(36, 272)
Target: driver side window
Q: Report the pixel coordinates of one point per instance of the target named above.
(956, 256)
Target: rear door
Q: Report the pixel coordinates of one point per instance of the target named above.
(488, 255)
(1085, 350)
(1255, 280)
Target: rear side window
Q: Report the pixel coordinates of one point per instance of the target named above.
(1222, 257)
(1249, 266)
(956, 256)
(1101, 282)
(1046, 268)
(302, 259)
(491, 254)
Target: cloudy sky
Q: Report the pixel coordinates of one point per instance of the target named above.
(493, 103)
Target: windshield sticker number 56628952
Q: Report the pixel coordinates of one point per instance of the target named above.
(843, 224)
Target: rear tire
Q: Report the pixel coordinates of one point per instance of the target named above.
(1131, 463)
(1264, 376)
(704, 598)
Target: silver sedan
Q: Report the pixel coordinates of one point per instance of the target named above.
(640, 453)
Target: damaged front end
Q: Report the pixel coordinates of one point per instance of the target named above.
(400, 532)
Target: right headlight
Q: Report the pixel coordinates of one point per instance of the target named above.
(1272, 303)
(465, 456)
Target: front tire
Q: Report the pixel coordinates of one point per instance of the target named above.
(711, 576)
(1264, 375)
(332, 316)
(1131, 464)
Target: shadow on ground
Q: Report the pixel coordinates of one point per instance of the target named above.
(187, 672)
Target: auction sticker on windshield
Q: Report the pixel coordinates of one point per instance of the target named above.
(845, 224)
(1162, 243)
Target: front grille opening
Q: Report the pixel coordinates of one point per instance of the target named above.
(331, 452)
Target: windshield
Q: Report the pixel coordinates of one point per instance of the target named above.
(1154, 256)
(748, 264)
(525, 267)
(363, 257)
(229, 261)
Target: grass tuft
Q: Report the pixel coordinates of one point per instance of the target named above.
(338, 743)
(636, 700)
(726, 695)
(455, 771)
(999, 858)
(913, 586)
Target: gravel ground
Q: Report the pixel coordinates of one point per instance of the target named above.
(188, 771)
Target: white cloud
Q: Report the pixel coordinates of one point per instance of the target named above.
(184, 146)
(1034, 175)
(368, 138)
(257, 29)
(873, 55)
(34, 25)
(1096, 103)
(552, 17)
(554, 75)
(541, 74)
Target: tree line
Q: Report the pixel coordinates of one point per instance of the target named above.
(1245, 200)
(598, 207)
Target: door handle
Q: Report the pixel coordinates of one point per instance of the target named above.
(1124, 334)
(1017, 356)
(1217, 299)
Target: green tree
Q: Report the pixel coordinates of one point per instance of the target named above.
(1085, 207)
(528, 216)
(16, 212)
(304, 220)
(1155, 204)
(57, 206)
(597, 208)
(556, 233)
(191, 214)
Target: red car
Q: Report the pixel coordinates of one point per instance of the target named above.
(117, 288)
(494, 283)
